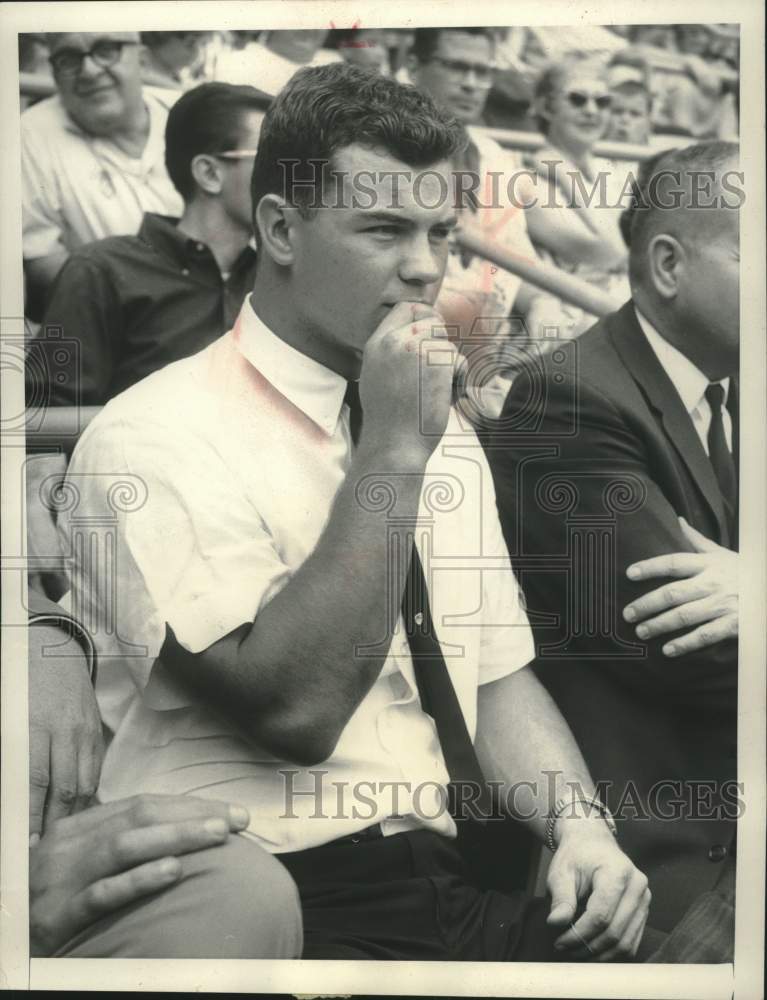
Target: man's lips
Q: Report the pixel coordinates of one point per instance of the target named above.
(90, 91)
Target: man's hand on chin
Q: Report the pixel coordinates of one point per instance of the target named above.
(590, 866)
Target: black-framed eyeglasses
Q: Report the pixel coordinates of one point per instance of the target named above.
(236, 154)
(579, 100)
(105, 53)
(484, 73)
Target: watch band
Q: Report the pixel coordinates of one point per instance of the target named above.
(562, 804)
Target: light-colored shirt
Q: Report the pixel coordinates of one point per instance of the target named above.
(258, 66)
(230, 461)
(77, 188)
(689, 381)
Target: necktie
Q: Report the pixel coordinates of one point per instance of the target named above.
(435, 688)
(719, 453)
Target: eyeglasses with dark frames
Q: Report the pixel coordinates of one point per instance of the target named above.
(484, 73)
(105, 53)
(579, 100)
(236, 154)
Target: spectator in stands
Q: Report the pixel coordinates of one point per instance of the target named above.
(622, 463)
(630, 114)
(263, 604)
(700, 101)
(125, 880)
(269, 63)
(573, 104)
(33, 58)
(454, 66)
(366, 47)
(166, 55)
(135, 303)
(92, 156)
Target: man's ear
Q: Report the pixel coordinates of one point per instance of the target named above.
(275, 221)
(666, 260)
(207, 173)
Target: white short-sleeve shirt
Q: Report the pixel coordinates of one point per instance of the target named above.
(197, 493)
(77, 188)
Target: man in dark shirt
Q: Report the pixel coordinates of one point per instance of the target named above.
(125, 306)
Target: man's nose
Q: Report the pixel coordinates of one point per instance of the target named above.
(420, 264)
(89, 66)
(470, 80)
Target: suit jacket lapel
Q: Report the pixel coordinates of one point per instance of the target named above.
(644, 367)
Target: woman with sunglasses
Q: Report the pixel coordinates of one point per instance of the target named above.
(572, 103)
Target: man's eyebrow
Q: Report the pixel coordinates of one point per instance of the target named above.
(381, 215)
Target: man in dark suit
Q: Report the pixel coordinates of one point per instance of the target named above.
(615, 463)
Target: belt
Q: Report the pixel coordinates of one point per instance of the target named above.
(361, 836)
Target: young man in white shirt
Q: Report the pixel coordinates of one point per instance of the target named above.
(264, 543)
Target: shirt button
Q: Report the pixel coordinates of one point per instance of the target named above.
(717, 853)
(418, 618)
(185, 272)
(199, 247)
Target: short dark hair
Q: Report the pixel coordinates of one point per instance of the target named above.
(426, 40)
(632, 88)
(206, 119)
(646, 217)
(323, 109)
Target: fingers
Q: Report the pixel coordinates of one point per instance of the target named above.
(88, 772)
(699, 542)
(631, 938)
(673, 564)
(62, 790)
(685, 616)
(39, 777)
(607, 891)
(671, 595)
(564, 896)
(109, 894)
(709, 634)
(149, 810)
(632, 908)
(130, 848)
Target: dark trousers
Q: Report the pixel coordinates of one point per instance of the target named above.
(407, 897)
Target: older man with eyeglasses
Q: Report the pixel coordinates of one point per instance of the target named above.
(92, 155)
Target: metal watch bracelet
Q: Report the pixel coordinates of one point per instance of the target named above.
(562, 804)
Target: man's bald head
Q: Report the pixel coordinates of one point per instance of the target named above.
(684, 251)
(681, 193)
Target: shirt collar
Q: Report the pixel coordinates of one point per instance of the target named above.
(689, 381)
(162, 233)
(314, 389)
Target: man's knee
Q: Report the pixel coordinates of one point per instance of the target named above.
(260, 900)
(233, 901)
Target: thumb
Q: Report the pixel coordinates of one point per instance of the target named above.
(564, 900)
(699, 542)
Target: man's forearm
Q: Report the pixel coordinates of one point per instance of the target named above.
(295, 676)
(525, 745)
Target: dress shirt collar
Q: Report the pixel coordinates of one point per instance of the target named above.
(689, 381)
(162, 233)
(314, 389)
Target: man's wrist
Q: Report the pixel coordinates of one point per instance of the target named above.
(576, 817)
